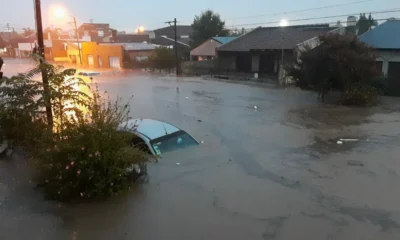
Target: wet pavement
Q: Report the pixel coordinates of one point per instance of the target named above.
(275, 172)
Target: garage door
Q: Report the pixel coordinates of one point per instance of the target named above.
(90, 60)
(394, 78)
(114, 62)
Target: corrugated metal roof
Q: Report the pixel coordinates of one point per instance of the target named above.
(384, 36)
(224, 40)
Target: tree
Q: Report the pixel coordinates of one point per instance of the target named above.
(340, 62)
(3, 43)
(205, 26)
(54, 33)
(237, 32)
(364, 24)
(28, 32)
(162, 57)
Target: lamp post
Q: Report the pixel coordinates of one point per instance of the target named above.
(77, 38)
(60, 13)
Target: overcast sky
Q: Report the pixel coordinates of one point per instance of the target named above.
(129, 14)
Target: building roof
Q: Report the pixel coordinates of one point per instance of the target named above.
(181, 30)
(135, 38)
(93, 26)
(167, 41)
(384, 36)
(131, 46)
(275, 38)
(224, 40)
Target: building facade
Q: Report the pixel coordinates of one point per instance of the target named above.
(102, 55)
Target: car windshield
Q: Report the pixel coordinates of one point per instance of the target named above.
(172, 142)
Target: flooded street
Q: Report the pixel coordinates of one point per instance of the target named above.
(271, 172)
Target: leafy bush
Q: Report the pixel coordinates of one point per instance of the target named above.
(19, 106)
(83, 155)
(360, 95)
(339, 62)
(162, 57)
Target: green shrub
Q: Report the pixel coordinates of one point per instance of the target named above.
(87, 162)
(360, 95)
(89, 157)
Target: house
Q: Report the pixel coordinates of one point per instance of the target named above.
(102, 55)
(166, 37)
(97, 32)
(265, 49)
(134, 52)
(207, 49)
(385, 38)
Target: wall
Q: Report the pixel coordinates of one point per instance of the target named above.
(198, 67)
(58, 49)
(103, 51)
(143, 53)
(226, 60)
(26, 46)
(255, 62)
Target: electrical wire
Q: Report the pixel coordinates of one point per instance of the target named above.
(302, 10)
(313, 24)
(315, 18)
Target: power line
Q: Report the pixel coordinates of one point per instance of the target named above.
(302, 10)
(316, 24)
(315, 18)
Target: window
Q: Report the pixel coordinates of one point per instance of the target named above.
(138, 143)
(100, 33)
(172, 142)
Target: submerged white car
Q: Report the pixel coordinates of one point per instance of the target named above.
(157, 137)
(88, 74)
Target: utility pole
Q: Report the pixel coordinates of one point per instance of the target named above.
(77, 40)
(175, 47)
(45, 80)
(9, 32)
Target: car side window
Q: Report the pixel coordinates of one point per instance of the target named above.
(138, 143)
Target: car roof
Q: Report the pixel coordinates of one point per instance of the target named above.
(149, 128)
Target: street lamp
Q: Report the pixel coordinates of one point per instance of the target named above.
(60, 12)
(140, 29)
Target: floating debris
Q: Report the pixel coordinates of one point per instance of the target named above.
(349, 140)
(339, 142)
(178, 164)
(355, 163)
(255, 107)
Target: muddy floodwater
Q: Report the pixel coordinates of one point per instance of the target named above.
(271, 172)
